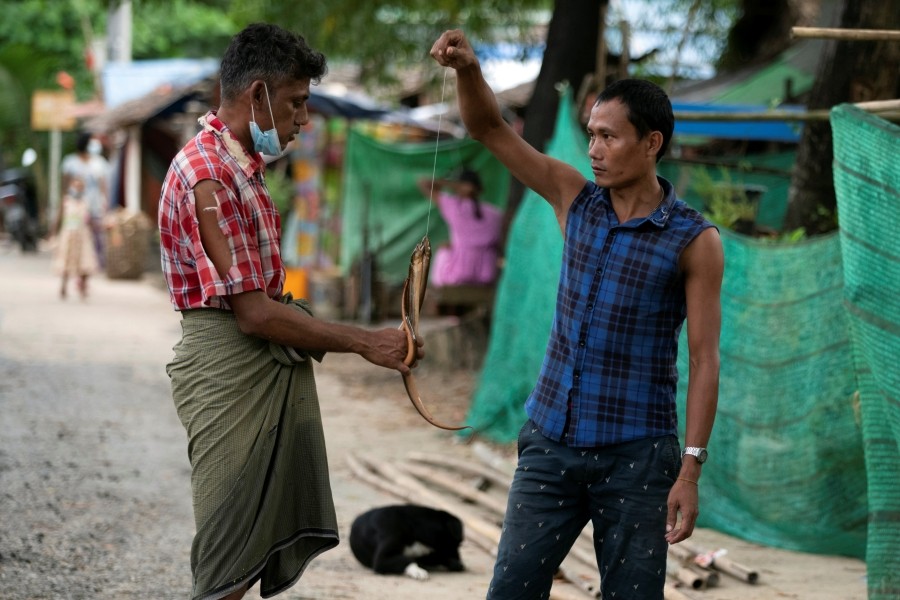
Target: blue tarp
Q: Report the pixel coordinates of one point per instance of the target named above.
(776, 131)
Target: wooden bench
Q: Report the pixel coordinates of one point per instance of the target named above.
(460, 299)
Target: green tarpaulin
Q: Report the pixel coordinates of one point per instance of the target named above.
(382, 204)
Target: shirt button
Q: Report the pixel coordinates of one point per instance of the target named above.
(599, 270)
(590, 307)
(577, 374)
(581, 343)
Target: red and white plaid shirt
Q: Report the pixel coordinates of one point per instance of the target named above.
(247, 217)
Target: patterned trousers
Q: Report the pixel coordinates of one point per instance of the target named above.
(622, 489)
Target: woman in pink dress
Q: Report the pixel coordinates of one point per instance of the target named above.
(470, 258)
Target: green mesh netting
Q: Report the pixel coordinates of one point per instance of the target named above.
(524, 305)
(380, 199)
(866, 181)
(787, 466)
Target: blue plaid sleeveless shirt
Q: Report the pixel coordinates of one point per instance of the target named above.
(609, 374)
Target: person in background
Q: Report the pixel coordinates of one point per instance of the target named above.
(600, 441)
(471, 256)
(75, 255)
(89, 165)
(242, 376)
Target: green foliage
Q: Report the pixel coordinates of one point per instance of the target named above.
(179, 29)
(381, 35)
(42, 37)
(726, 202)
(281, 189)
(673, 24)
(795, 235)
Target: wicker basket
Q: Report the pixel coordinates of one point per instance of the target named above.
(126, 244)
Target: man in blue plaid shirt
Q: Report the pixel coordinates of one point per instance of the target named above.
(601, 441)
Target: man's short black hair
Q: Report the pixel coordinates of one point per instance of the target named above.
(649, 108)
(270, 53)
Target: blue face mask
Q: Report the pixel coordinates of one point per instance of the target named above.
(264, 141)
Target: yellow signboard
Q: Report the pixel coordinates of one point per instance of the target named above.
(52, 109)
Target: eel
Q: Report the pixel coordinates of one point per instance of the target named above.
(410, 307)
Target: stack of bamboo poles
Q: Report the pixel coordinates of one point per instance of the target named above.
(476, 493)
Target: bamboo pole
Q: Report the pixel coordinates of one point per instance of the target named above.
(583, 552)
(829, 33)
(457, 487)
(683, 552)
(710, 578)
(686, 576)
(485, 543)
(475, 469)
(472, 521)
(723, 564)
(406, 486)
(493, 459)
(883, 108)
(736, 570)
(565, 590)
(671, 592)
(375, 481)
(588, 581)
(579, 569)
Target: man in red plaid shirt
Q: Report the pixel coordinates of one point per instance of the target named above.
(242, 378)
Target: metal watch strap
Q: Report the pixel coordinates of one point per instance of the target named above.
(698, 453)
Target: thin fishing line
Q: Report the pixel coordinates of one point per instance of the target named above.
(436, 142)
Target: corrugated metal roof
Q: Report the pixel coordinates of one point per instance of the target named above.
(156, 103)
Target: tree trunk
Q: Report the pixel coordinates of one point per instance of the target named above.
(849, 71)
(761, 32)
(575, 28)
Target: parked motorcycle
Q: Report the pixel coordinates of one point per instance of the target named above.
(18, 202)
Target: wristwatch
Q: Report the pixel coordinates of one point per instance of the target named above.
(699, 453)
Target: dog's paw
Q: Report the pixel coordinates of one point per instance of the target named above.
(416, 572)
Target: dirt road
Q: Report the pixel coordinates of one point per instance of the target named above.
(95, 482)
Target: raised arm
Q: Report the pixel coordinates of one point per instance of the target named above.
(431, 189)
(554, 180)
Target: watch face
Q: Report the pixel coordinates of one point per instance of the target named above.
(701, 458)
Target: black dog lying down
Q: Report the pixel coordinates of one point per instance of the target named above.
(406, 538)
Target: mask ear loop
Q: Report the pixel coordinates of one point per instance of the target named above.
(269, 102)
